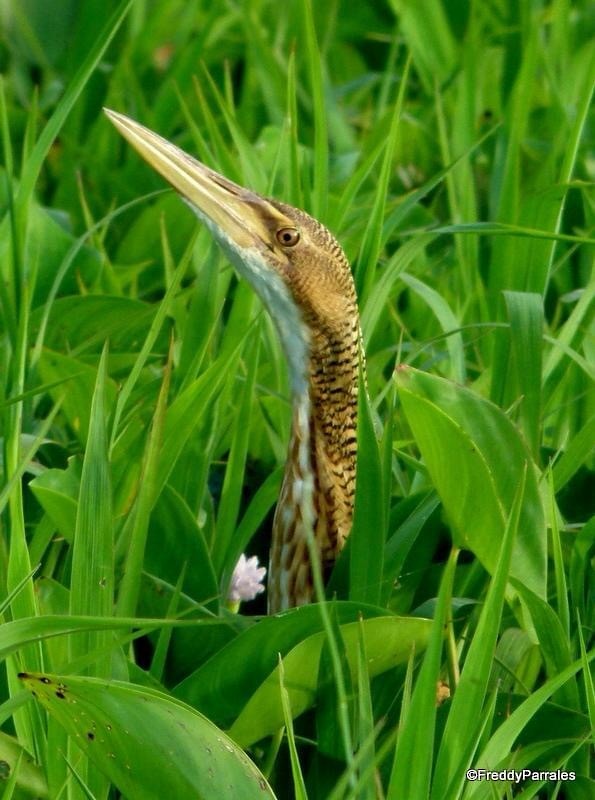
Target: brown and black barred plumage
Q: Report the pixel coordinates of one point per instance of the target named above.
(303, 277)
(321, 285)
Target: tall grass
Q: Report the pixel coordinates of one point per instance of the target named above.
(144, 404)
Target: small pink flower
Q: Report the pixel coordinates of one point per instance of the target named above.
(246, 580)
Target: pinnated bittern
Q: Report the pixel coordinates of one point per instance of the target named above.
(304, 280)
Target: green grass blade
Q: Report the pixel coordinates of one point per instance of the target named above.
(27, 457)
(92, 581)
(525, 313)
(372, 239)
(35, 161)
(365, 719)
(229, 505)
(459, 738)
(575, 454)
(553, 643)
(295, 192)
(569, 332)
(429, 38)
(317, 90)
(412, 767)
(502, 741)
(366, 555)
(589, 688)
(558, 559)
(160, 316)
(378, 299)
(146, 498)
(18, 634)
(299, 786)
(447, 320)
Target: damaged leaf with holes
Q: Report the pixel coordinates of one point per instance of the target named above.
(148, 744)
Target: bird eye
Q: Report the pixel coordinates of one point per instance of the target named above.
(288, 237)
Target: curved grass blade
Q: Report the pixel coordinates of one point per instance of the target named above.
(21, 632)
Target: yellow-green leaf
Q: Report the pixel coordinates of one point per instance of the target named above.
(388, 641)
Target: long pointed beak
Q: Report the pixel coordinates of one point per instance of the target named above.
(243, 217)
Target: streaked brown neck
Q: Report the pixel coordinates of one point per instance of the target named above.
(329, 440)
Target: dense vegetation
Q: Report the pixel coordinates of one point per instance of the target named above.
(144, 410)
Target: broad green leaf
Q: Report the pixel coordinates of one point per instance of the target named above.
(388, 641)
(148, 744)
(220, 687)
(475, 458)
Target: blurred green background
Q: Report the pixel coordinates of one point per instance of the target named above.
(449, 147)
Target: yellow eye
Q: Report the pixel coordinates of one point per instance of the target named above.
(288, 237)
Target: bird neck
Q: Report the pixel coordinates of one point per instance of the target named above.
(318, 488)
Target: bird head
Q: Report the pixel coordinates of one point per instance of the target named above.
(292, 261)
